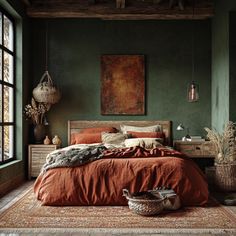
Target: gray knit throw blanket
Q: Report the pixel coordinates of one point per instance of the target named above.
(76, 155)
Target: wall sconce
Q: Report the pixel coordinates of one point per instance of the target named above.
(180, 127)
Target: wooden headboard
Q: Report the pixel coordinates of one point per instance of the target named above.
(76, 125)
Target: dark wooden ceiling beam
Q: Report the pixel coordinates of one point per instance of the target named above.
(139, 10)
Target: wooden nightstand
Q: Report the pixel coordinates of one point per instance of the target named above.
(195, 149)
(37, 157)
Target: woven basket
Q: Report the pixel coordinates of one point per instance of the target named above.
(225, 177)
(45, 91)
(144, 207)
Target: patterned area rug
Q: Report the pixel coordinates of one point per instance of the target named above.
(27, 215)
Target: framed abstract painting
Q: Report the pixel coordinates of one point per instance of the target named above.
(122, 85)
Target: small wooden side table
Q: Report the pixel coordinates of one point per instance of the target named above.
(195, 149)
(37, 154)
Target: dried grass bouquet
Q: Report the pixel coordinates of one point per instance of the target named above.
(36, 111)
(224, 144)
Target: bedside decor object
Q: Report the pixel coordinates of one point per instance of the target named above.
(36, 112)
(180, 127)
(46, 141)
(225, 159)
(122, 85)
(56, 140)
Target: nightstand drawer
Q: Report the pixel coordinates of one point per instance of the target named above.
(191, 150)
(37, 157)
(195, 149)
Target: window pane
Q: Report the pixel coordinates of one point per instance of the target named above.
(8, 67)
(1, 64)
(8, 33)
(0, 28)
(1, 157)
(0, 103)
(8, 142)
(8, 104)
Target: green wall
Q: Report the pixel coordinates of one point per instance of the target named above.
(75, 47)
(232, 66)
(222, 84)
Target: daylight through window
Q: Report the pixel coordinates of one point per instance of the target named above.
(7, 88)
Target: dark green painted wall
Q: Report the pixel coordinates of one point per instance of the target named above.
(75, 47)
(232, 66)
(222, 85)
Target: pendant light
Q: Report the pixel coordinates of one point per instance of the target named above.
(193, 88)
(46, 92)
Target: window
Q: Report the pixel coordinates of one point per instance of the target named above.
(7, 88)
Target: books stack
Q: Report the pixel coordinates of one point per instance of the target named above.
(195, 139)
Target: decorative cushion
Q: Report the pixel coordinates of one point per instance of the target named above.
(154, 128)
(80, 138)
(99, 130)
(146, 134)
(147, 143)
(114, 138)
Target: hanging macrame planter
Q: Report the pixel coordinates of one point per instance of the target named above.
(45, 91)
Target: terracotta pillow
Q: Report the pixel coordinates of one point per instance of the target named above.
(78, 138)
(98, 130)
(146, 134)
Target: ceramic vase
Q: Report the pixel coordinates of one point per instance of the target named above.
(39, 133)
(47, 141)
(56, 140)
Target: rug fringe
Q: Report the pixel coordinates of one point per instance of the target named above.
(116, 231)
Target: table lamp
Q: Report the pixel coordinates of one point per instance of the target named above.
(180, 127)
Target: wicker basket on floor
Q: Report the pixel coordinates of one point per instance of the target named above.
(225, 177)
(145, 207)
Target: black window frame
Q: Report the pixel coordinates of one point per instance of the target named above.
(9, 85)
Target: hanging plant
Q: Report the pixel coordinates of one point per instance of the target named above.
(45, 91)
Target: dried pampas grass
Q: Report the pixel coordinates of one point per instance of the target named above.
(224, 144)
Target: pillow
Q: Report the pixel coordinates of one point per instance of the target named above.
(147, 143)
(114, 138)
(154, 128)
(146, 134)
(78, 138)
(99, 130)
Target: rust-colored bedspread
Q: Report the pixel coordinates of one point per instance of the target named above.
(101, 182)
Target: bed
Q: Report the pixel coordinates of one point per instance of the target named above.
(101, 182)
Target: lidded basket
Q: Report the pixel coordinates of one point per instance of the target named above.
(45, 91)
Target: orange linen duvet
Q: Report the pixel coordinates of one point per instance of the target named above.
(101, 182)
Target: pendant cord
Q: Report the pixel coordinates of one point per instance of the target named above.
(46, 47)
(193, 41)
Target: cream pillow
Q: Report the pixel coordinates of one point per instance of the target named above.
(153, 128)
(114, 138)
(147, 143)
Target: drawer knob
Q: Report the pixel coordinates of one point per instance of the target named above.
(198, 148)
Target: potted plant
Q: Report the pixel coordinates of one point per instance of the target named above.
(36, 112)
(225, 159)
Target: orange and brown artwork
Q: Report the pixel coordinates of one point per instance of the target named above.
(122, 85)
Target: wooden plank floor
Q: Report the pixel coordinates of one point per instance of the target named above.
(14, 195)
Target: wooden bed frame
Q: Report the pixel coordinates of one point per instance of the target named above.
(76, 125)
